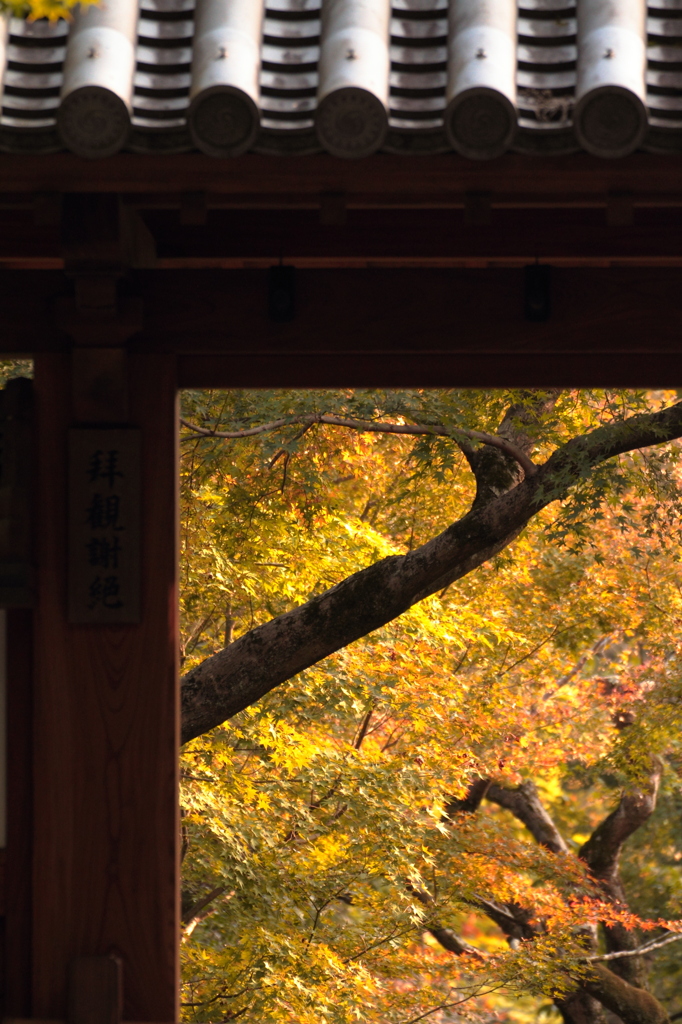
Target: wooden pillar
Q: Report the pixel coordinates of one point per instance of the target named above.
(105, 739)
(17, 895)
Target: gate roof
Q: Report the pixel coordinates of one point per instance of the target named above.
(411, 78)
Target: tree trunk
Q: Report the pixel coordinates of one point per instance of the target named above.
(580, 1008)
(633, 1005)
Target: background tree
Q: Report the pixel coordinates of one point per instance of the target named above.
(357, 839)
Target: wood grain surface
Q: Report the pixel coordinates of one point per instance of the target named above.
(95, 993)
(105, 875)
(17, 987)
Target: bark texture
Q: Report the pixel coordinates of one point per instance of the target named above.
(581, 1008)
(602, 855)
(633, 1005)
(525, 804)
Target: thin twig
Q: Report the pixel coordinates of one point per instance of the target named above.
(284, 474)
(201, 904)
(648, 947)
(367, 426)
(380, 942)
(314, 804)
(593, 652)
(447, 1006)
(364, 726)
(555, 632)
(221, 995)
(194, 636)
(461, 661)
(390, 742)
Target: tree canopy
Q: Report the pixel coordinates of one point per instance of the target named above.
(53, 10)
(431, 706)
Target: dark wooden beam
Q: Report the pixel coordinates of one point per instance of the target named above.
(369, 238)
(419, 326)
(607, 326)
(414, 238)
(376, 178)
(502, 370)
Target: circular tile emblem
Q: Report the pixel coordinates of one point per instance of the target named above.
(93, 122)
(610, 122)
(223, 122)
(351, 123)
(480, 123)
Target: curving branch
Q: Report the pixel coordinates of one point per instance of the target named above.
(602, 850)
(648, 947)
(448, 939)
(263, 428)
(602, 853)
(632, 1004)
(525, 804)
(372, 427)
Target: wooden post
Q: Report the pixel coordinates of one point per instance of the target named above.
(17, 990)
(95, 990)
(105, 823)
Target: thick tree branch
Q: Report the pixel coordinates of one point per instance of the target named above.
(622, 991)
(602, 854)
(633, 1005)
(445, 936)
(495, 472)
(274, 652)
(514, 921)
(525, 804)
(602, 850)
(470, 802)
(190, 912)
(619, 992)
(580, 1007)
(450, 941)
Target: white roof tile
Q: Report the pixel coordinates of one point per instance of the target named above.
(548, 49)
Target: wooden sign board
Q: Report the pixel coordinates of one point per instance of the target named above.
(104, 526)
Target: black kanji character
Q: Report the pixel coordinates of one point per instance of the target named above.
(104, 552)
(105, 592)
(104, 466)
(103, 512)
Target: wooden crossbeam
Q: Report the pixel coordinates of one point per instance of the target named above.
(380, 176)
(618, 326)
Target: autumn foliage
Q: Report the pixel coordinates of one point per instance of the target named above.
(353, 848)
(53, 10)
